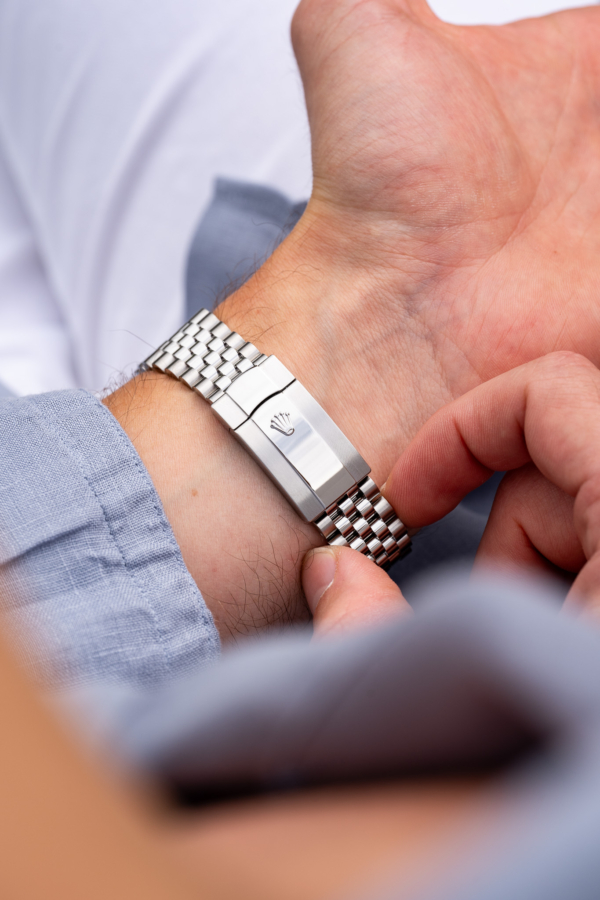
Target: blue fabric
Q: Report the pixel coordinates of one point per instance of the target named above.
(241, 227)
(486, 673)
(93, 576)
(96, 581)
(485, 666)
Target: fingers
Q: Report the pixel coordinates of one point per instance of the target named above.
(584, 595)
(543, 416)
(531, 524)
(547, 412)
(314, 20)
(345, 590)
(331, 37)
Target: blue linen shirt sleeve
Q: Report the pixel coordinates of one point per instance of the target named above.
(92, 577)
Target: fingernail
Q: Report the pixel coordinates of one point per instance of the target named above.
(318, 574)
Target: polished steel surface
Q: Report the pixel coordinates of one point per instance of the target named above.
(314, 413)
(306, 449)
(289, 481)
(288, 433)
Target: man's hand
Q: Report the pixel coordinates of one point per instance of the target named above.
(453, 233)
(542, 422)
(461, 167)
(345, 591)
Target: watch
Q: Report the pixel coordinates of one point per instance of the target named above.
(288, 433)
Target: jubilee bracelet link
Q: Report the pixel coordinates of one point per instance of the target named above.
(288, 433)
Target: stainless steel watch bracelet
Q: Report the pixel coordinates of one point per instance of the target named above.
(288, 433)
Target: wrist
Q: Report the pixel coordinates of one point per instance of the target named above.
(342, 331)
(241, 541)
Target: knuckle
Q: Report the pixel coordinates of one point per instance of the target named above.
(517, 484)
(565, 374)
(567, 362)
(302, 24)
(297, 24)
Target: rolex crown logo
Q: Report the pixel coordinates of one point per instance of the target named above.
(282, 422)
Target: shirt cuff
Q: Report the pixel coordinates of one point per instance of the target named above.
(93, 577)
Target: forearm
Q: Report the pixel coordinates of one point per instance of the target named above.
(241, 541)
(239, 538)
(69, 829)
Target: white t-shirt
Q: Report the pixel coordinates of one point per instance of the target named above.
(115, 118)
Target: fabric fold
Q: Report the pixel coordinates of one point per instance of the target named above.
(93, 578)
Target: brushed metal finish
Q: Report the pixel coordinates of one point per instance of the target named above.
(166, 360)
(154, 357)
(206, 388)
(191, 377)
(177, 369)
(226, 369)
(209, 372)
(243, 366)
(223, 383)
(212, 359)
(229, 412)
(197, 361)
(230, 355)
(249, 351)
(324, 424)
(288, 433)
(216, 345)
(290, 483)
(235, 341)
(221, 331)
(251, 388)
(383, 539)
(307, 451)
(209, 321)
(203, 336)
(275, 370)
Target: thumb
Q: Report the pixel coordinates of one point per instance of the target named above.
(345, 590)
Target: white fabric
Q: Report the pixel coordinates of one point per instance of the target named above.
(115, 117)
(497, 12)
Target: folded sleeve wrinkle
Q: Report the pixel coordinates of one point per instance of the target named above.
(93, 578)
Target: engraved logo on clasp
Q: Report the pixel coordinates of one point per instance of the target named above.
(282, 422)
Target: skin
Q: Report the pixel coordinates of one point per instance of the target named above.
(460, 167)
(452, 234)
(83, 834)
(541, 422)
(71, 830)
(67, 830)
